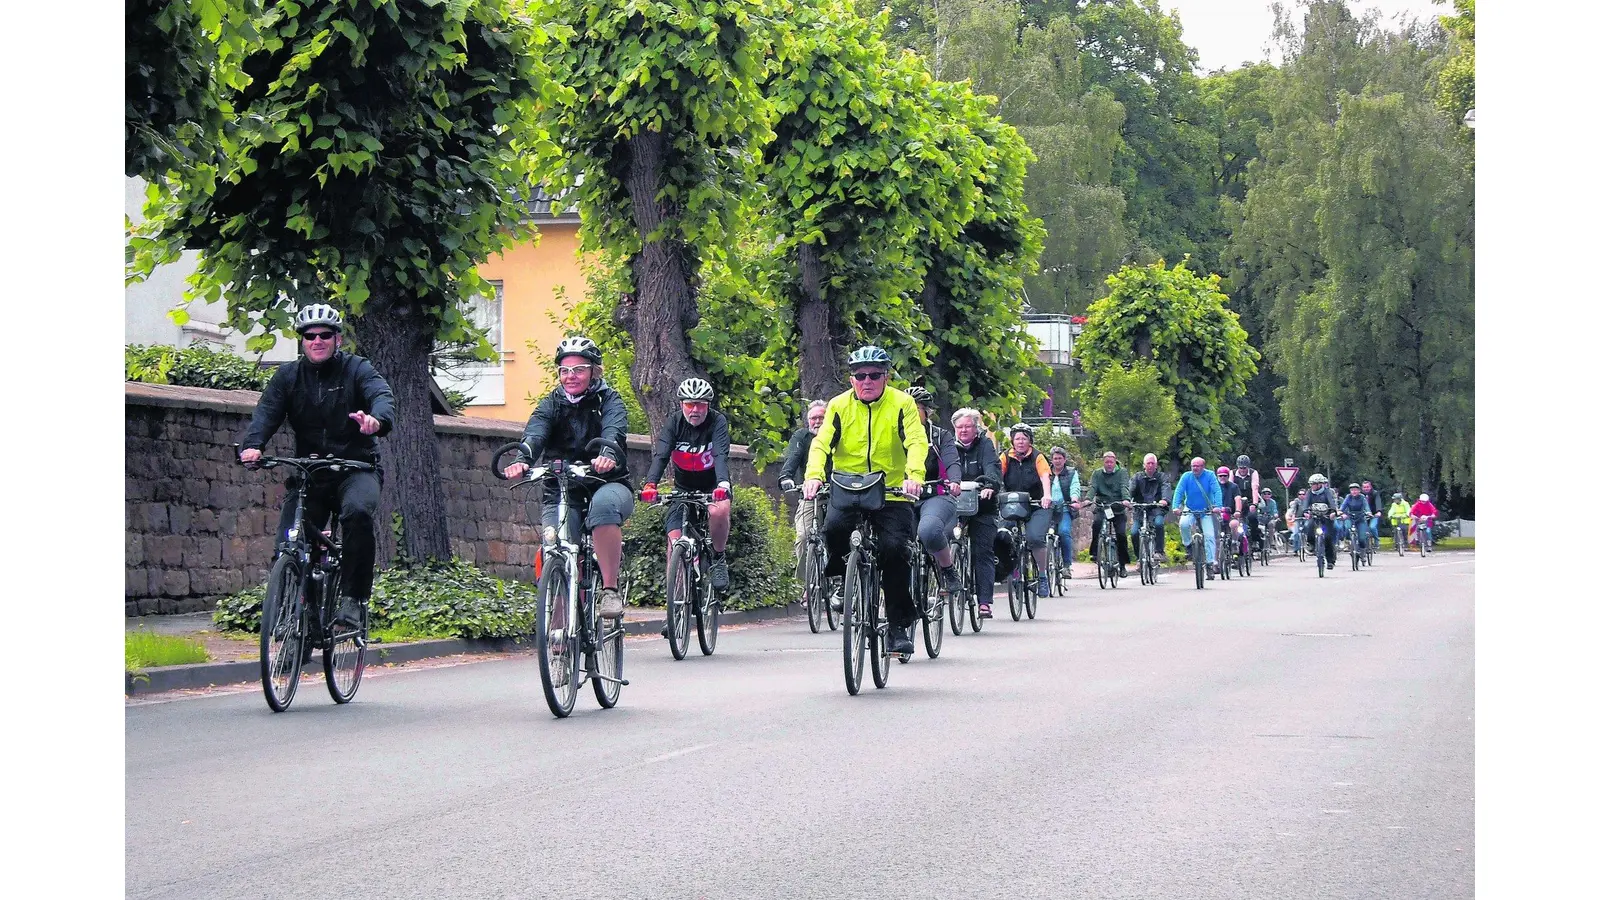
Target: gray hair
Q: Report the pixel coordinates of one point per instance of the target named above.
(816, 404)
(966, 412)
(1150, 457)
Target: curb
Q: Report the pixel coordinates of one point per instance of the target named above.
(159, 679)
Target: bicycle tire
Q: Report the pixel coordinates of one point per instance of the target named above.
(956, 603)
(878, 637)
(1014, 595)
(1197, 555)
(1244, 565)
(344, 660)
(680, 598)
(812, 596)
(933, 622)
(1266, 549)
(1100, 558)
(607, 658)
(1322, 556)
(283, 632)
(557, 642)
(1030, 587)
(853, 627)
(707, 613)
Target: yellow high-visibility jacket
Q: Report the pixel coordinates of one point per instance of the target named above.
(883, 436)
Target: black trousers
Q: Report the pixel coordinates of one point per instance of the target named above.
(896, 524)
(1120, 526)
(355, 495)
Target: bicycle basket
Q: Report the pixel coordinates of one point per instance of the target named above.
(1321, 509)
(967, 502)
(857, 491)
(1014, 505)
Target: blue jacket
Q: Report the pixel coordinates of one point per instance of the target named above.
(1355, 506)
(1198, 494)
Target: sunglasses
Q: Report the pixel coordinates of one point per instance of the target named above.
(564, 371)
(318, 336)
(869, 376)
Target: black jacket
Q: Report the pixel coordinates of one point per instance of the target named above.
(794, 459)
(979, 462)
(699, 455)
(1150, 488)
(317, 402)
(561, 429)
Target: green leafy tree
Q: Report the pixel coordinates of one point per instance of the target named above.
(659, 115)
(1131, 411)
(1179, 322)
(372, 156)
(1457, 90)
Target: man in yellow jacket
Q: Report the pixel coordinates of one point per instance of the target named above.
(873, 429)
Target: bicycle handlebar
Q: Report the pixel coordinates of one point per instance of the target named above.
(309, 464)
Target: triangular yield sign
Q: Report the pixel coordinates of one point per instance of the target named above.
(1287, 474)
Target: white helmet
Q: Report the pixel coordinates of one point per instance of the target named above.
(696, 389)
(318, 314)
(1423, 499)
(1319, 478)
(578, 345)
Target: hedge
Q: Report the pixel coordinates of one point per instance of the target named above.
(760, 553)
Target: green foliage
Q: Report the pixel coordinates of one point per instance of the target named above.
(144, 649)
(760, 553)
(364, 158)
(194, 366)
(1180, 323)
(1131, 412)
(1457, 89)
(433, 599)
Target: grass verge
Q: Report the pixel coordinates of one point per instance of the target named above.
(144, 649)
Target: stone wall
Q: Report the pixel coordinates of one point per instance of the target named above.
(200, 526)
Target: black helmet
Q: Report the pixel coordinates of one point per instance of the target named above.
(578, 345)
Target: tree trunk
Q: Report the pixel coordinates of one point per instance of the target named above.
(397, 336)
(818, 366)
(664, 307)
(937, 306)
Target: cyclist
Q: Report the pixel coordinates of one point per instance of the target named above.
(1322, 492)
(1109, 484)
(936, 513)
(1266, 513)
(794, 465)
(873, 428)
(1355, 509)
(1296, 516)
(1423, 513)
(1233, 501)
(336, 403)
(1399, 516)
(1198, 493)
(1150, 486)
(977, 460)
(1065, 489)
(581, 408)
(1374, 506)
(696, 441)
(1023, 469)
(1248, 479)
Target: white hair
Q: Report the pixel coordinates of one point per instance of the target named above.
(966, 412)
(816, 404)
(1150, 457)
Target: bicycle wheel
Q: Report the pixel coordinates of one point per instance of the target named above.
(1197, 555)
(1014, 594)
(1266, 548)
(1030, 587)
(1399, 541)
(933, 622)
(707, 613)
(956, 603)
(854, 627)
(878, 636)
(1244, 564)
(1322, 560)
(680, 598)
(283, 632)
(607, 659)
(1100, 558)
(1113, 568)
(557, 640)
(814, 588)
(345, 661)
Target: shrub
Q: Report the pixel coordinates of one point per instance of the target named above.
(195, 366)
(143, 649)
(760, 553)
(435, 599)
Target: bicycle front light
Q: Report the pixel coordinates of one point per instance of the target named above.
(855, 538)
(549, 535)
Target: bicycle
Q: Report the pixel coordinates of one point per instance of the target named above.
(1108, 566)
(866, 621)
(568, 624)
(1369, 543)
(1300, 552)
(1197, 548)
(1226, 547)
(1265, 551)
(1399, 529)
(813, 566)
(1322, 520)
(925, 593)
(1022, 584)
(302, 600)
(1237, 556)
(1148, 535)
(1425, 535)
(966, 599)
(1056, 566)
(689, 589)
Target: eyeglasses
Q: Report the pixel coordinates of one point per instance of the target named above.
(869, 376)
(319, 336)
(564, 371)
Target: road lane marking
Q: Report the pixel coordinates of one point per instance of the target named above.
(676, 753)
(1459, 562)
(1322, 634)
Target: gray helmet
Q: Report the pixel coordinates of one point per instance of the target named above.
(920, 394)
(578, 345)
(869, 355)
(696, 389)
(1023, 427)
(1243, 462)
(318, 314)
(1319, 478)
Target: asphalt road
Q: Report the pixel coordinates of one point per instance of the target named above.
(1273, 737)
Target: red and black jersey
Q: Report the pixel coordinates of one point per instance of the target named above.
(699, 454)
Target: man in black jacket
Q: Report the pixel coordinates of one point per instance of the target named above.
(794, 468)
(583, 408)
(1150, 486)
(336, 404)
(696, 442)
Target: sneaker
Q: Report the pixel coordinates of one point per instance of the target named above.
(719, 572)
(349, 615)
(984, 612)
(947, 580)
(610, 603)
(1043, 589)
(900, 639)
(1211, 571)
(1122, 571)
(836, 595)
(1069, 571)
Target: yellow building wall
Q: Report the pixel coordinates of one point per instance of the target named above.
(531, 310)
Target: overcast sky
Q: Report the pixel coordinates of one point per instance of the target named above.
(1232, 32)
